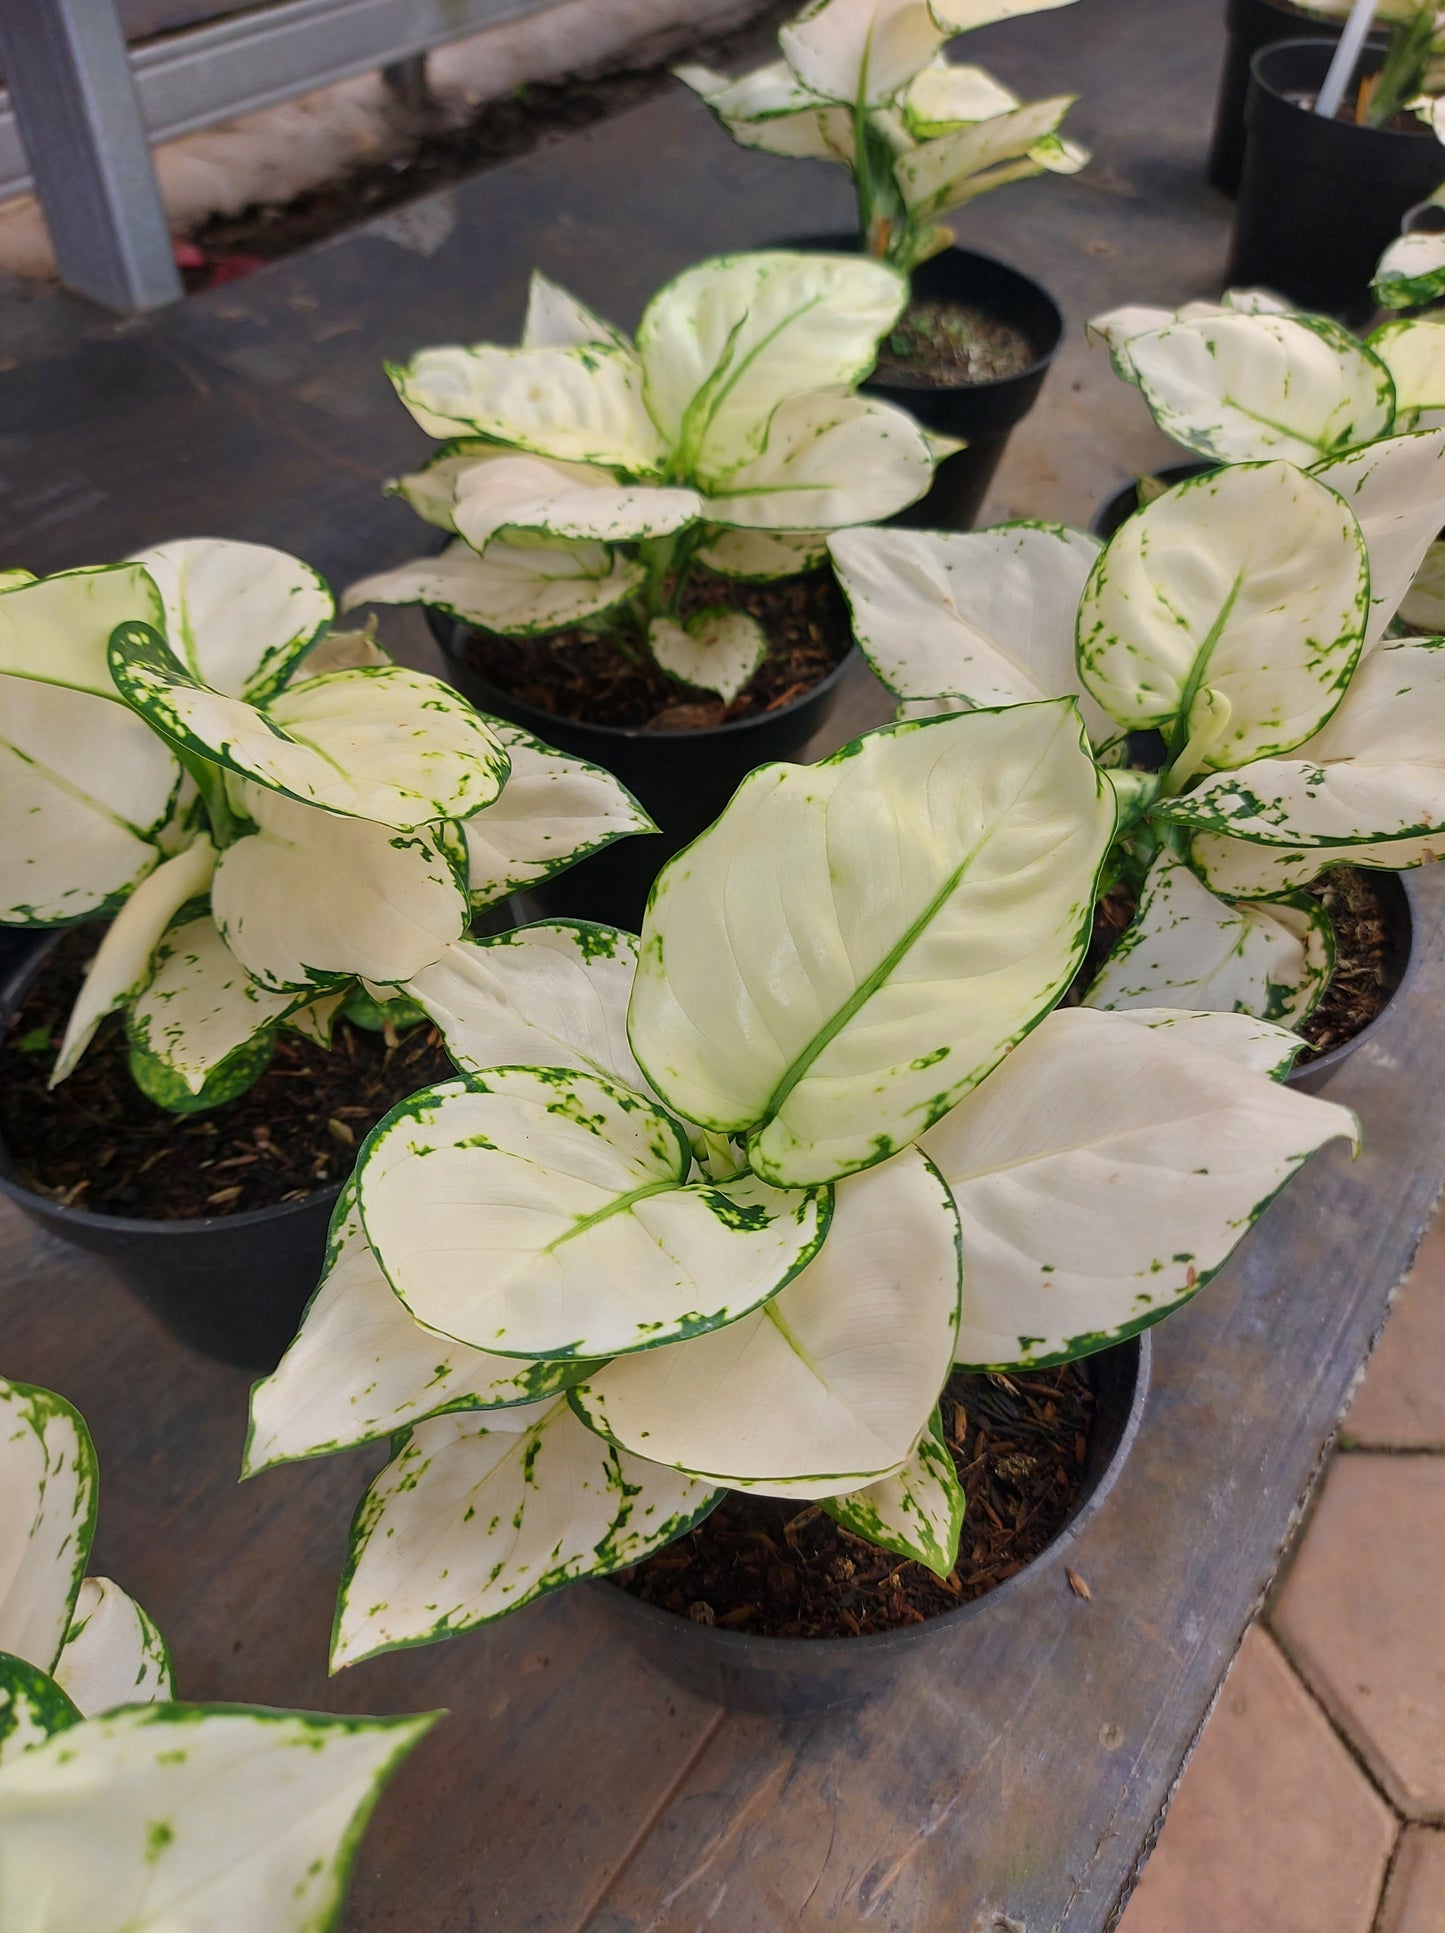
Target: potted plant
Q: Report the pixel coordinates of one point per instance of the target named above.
(1228, 650)
(1249, 25)
(693, 1225)
(1320, 197)
(866, 83)
(119, 1806)
(280, 825)
(637, 528)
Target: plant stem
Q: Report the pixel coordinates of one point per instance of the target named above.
(211, 784)
(1402, 76)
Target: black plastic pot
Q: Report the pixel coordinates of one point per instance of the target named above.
(1400, 968)
(787, 1675)
(1250, 25)
(230, 1286)
(1319, 201)
(683, 778)
(983, 414)
(1116, 510)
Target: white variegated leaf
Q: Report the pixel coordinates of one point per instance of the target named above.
(311, 897)
(316, 1020)
(515, 589)
(1411, 271)
(1423, 607)
(829, 1385)
(986, 616)
(917, 1512)
(1376, 772)
(341, 651)
(57, 629)
(1249, 583)
(854, 944)
(962, 16)
(1396, 489)
(381, 742)
(85, 788)
(557, 320)
(1255, 1044)
(944, 96)
(1246, 870)
(508, 492)
(953, 169)
(1241, 387)
(553, 811)
(237, 615)
(113, 1654)
(1188, 948)
(470, 1521)
(582, 403)
(553, 995)
(545, 1212)
(121, 966)
(1104, 1173)
(362, 1368)
(831, 460)
(758, 556)
(48, 1481)
(726, 343)
(431, 491)
(717, 650)
(200, 1007)
(861, 50)
(32, 1708)
(1412, 348)
(767, 109)
(189, 1817)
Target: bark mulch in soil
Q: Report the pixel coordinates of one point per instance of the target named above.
(98, 1143)
(947, 345)
(1366, 968)
(786, 1570)
(587, 677)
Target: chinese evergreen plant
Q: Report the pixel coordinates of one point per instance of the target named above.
(586, 477)
(275, 817)
(722, 1208)
(866, 83)
(119, 1807)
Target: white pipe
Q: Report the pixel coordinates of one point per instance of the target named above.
(1362, 18)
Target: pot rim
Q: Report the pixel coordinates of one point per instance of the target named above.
(1350, 129)
(16, 1190)
(845, 242)
(444, 628)
(744, 1645)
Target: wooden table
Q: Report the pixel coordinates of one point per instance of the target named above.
(1017, 1778)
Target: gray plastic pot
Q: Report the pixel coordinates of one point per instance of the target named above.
(788, 1675)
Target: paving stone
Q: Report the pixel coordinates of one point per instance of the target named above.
(1361, 1615)
(1274, 1829)
(1401, 1404)
(1415, 1897)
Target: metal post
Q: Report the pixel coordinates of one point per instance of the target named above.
(71, 89)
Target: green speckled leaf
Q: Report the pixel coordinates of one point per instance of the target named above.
(1412, 348)
(510, 491)
(831, 459)
(854, 944)
(1251, 583)
(469, 1522)
(1396, 489)
(379, 742)
(716, 650)
(917, 1512)
(827, 1387)
(192, 1817)
(542, 1212)
(32, 1708)
(48, 1481)
(238, 616)
(1104, 1173)
(57, 629)
(516, 589)
(956, 167)
(202, 1017)
(361, 1367)
(1411, 271)
(113, 1654)
(1188, 948)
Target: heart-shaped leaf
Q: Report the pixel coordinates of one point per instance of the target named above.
(113, 1654)
(830, 460)
(917, 1512)
(199, 1010)
(717, 650)
(1104, 1173)
(830, 1384)
(237, 615)
(854, 944)
(469, 1522)
(542, 1212)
